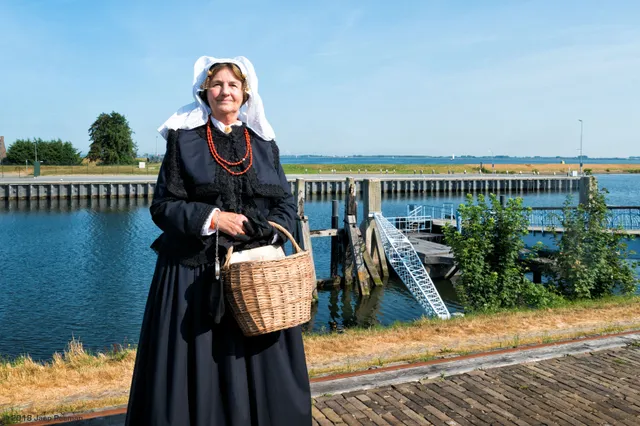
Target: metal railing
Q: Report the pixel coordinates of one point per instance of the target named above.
(618, 217)
(446, 211)
(420, 217)
(412, 223)
(546, 218)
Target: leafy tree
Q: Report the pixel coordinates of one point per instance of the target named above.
(487, 252)
(51, 152)
(111, 140)
(58, 152)
(591, 260)
(20, 151)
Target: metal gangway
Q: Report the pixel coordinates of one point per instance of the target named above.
(409, 267)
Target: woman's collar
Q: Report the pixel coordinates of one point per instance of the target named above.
(224, 127)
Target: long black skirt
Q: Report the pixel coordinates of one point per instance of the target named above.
(192, 371)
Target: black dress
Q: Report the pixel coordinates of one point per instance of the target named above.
(194, 366)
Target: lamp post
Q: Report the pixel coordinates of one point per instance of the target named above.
(493, 164)
(580, 146)
(35, 147)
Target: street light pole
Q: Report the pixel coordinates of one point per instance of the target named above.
(493, 164)
(35, 145)
(580, 146)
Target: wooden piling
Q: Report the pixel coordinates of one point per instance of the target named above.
(335, 243)
(377, 251)
(372, 197)
(375, 258)
(351, 209)
(302, 229)
(357, 250)
(301, 195)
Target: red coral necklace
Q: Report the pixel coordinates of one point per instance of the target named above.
(226, 164)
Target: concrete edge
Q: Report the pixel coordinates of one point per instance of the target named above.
(363, 380)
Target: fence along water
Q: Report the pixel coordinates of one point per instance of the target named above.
(27, 188)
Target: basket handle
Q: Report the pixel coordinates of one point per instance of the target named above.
(280, 228)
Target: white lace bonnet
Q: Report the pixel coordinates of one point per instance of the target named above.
(196, 113)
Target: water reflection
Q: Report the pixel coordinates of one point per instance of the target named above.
(339, 308)
(73, 268)
(72, 204)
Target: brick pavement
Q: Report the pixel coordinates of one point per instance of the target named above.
(600, 388)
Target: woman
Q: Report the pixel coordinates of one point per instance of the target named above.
(221, 174)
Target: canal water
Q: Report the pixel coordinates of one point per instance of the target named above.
(81, 269)
(415, 159)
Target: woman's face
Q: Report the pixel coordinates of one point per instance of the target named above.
(225, 94)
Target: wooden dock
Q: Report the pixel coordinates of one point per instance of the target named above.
(599, 388)
(437, 258)
(431, 253)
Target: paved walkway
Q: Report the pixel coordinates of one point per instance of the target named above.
(601, 388)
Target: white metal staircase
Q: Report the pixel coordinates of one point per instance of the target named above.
(407, 264)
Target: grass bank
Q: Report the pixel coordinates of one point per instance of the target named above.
(79, 381)
(151, 169)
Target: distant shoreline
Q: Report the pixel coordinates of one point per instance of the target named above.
(408, 159)
(529, 168)
(468, 157)
(151, 169)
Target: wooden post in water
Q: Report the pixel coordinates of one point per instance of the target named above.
(356, 249)
(377, 251)
(302, 228)
(299, 193)
(372, 195)
(350, 209)
(335, 243)
(374, 257)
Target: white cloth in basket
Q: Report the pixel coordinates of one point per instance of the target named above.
(258, 253)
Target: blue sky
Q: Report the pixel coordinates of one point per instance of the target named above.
(338, 76)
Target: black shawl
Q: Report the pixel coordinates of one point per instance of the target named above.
(190, 184)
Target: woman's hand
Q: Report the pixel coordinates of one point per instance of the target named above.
(229, 223)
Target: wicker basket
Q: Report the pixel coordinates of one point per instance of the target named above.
(270, 295)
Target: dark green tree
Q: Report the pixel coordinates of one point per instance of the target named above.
(20, 151)
(58, 152)
(111, 141)
(591, 259)
(51, 152)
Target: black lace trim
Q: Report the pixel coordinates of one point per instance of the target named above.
(174, 167)
(232, 147)
(276, 155)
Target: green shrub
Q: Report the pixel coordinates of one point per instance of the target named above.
(591, 260)
(487, 252)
